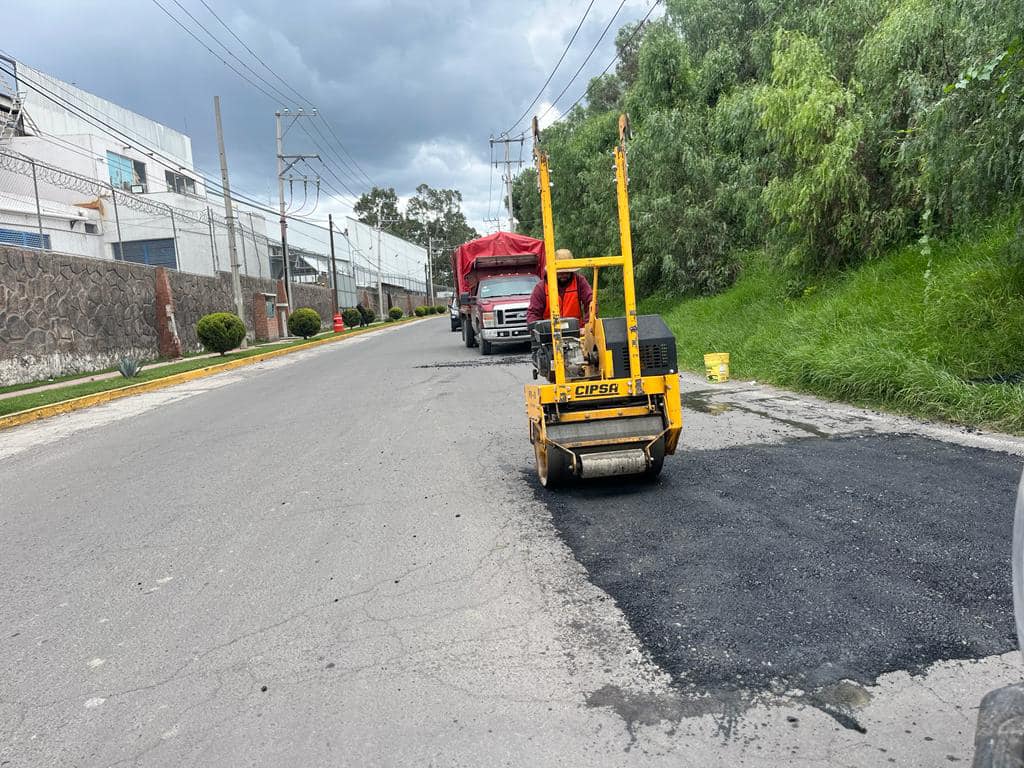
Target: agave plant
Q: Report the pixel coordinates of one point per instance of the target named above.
(130, 367)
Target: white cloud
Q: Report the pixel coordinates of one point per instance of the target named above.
(413, 89)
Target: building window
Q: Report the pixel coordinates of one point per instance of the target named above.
(177, 182)
(156, 253)
(125, 173)
(91, 229)
(24, 239)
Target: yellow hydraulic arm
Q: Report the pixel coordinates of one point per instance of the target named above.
(625, 260)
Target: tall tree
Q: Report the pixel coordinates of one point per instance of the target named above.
(379, 206)
(435, 217)
(432, 218)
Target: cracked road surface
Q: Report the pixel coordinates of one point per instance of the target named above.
(341, 557)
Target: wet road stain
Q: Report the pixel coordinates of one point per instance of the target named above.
(646, 708)
(816, 565)
(702, 401)
(639, 708)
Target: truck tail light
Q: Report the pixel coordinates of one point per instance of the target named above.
(489, 321)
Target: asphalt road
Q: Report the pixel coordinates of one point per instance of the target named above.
(341, 557)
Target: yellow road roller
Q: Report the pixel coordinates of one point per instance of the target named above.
(610, 405)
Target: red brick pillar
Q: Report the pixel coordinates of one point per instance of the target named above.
(168, 341)
(261, 324)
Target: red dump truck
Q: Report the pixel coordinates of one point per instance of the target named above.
(495, 276)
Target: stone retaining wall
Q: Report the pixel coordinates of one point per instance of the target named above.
(62, 314)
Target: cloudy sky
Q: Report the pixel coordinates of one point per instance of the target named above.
(413, 89)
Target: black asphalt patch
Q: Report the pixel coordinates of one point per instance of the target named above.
(492, 360)
(767, 568)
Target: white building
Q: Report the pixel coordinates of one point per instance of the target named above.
(82, 175)
(403, 263)
(56, 142)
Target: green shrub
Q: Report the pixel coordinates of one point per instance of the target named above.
(395, 313)
(351, 318)
(440, 309)
(420, 311)
(220, 331)
(304, 322)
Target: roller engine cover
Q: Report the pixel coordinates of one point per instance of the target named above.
(657, 346)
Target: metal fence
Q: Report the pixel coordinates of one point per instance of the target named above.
(59, 209)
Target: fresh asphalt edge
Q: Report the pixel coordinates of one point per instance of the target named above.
(87, 401)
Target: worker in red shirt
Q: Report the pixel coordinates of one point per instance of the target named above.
(574, 295)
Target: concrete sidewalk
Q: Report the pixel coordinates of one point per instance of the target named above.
(97, 377)
(147, 366)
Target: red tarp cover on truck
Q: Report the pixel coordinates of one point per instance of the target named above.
(498, 244)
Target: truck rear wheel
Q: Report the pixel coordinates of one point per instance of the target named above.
(468, 335)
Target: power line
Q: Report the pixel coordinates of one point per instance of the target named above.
(615, 58)
(212, 52)
(134, 200)
(592, 50)
(109, 130)
(334, 190)
(290, 87)
(254, 54)
(344, 167)
(15, 162)
(552, 73)
(347, 153)
(324, 162)
(507, 177)
(92, 119)
(490, 180)
(218, 41)
(231, 53)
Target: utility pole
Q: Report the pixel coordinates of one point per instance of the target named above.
(117, 222)
(236, 281)
(213, 240)
(282, 168)
(380, 256)
(334, 265)
(39, 212)
(507, 175)
(256, 246)
(380, 262)
(430, 272)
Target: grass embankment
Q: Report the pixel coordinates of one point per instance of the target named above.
(938, 335)
(50, 396)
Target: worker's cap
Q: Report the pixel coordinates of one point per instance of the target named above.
(562, 254)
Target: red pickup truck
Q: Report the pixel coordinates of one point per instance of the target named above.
(495, 276)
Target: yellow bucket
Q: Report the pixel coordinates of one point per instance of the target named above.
(717, 366)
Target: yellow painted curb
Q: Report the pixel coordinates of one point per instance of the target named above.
(78, 403)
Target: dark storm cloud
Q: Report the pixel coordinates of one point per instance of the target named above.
(414, 89)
